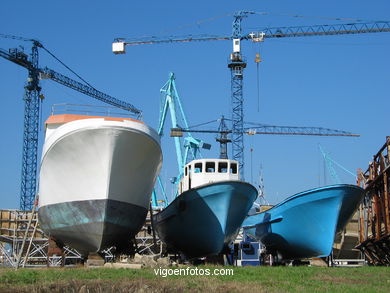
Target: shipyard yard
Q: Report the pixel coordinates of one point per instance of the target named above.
(173, 148)
(254, 279)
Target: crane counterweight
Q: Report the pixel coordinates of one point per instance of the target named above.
(118, 48)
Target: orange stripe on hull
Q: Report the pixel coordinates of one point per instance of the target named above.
(64, 118)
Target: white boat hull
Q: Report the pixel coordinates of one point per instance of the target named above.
(96, 180)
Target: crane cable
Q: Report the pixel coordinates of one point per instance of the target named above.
(39, 44)
(258, 60)
(202, 124)
(312, 16)
(67, 67)
(16, 38)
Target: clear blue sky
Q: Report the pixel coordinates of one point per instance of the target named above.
(339, 82)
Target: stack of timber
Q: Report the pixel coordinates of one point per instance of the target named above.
(374, 212)
(13, 225)
(19, 233)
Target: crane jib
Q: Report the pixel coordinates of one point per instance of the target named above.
(273, 32)
(90, 91)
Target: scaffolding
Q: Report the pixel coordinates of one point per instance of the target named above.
(344, 251)
(23, 243)
(147, 241)
(374, 216)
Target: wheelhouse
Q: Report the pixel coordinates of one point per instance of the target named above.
(205, 171)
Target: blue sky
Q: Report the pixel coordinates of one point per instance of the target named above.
(339, 82)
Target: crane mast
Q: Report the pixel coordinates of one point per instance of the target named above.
(30, 134)
(33, 99)
(237, 64)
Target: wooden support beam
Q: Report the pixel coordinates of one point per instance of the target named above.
(386, 203)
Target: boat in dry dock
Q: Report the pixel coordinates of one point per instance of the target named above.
(305, 224)
(96, 179)
(209, 210)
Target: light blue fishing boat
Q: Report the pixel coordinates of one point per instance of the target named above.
(304, 225)
(209, 210)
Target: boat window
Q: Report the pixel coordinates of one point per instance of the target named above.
(198, 168)
(189, 169)
(222, 167)
(185, 171)
(210, 167)
(233, 168)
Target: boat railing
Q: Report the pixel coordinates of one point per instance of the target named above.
(92, 110)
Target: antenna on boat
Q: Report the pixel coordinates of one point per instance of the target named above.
(329, 163)
(261, 186)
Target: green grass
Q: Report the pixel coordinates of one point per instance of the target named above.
(247, 279)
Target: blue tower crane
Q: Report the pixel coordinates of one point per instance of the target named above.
(237, 62)
(33, 99)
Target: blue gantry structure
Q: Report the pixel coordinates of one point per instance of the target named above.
(187, 148)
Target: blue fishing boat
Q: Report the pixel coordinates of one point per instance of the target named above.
(304, 225)
(209, 210)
